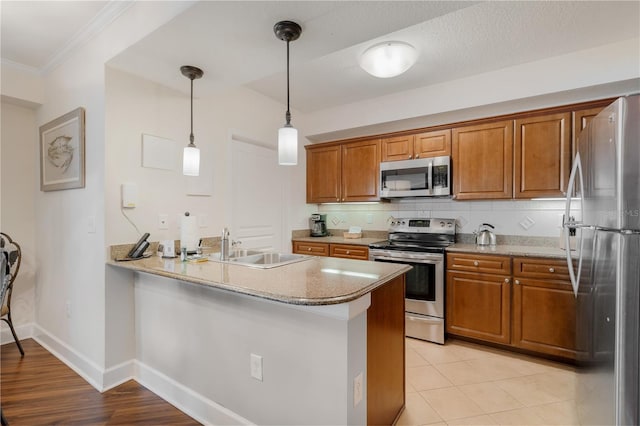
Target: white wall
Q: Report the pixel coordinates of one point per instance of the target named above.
(70, 289)
(202, 338)
(19, 179)
(135, 106)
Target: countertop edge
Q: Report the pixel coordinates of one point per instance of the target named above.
(132, 266)
(511, 250)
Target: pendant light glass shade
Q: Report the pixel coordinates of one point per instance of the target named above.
(191, 154)
(287, 146)
(287, 135)
(191, 161)
(388, 59)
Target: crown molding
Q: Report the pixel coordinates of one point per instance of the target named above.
(110, 12)
(20, 67)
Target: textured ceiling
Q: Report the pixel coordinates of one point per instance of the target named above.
(233, 41)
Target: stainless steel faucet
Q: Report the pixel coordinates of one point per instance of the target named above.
(224, 245)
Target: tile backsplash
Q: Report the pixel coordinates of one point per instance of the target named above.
(528, 218)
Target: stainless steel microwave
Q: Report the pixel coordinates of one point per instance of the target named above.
(422, 177)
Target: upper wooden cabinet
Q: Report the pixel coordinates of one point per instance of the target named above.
(581, 119)
(343, 172)
(482, 157)
(542, 160)
(360, 170)
(422, 145)
(324, 176)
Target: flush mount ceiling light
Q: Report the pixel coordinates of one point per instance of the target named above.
(287, 135)
(191, 156)
(388, 59)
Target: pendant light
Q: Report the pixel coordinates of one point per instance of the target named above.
(191, 155)
(287, 135)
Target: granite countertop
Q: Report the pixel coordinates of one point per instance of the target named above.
(339, 240)
(511, 250)
(314, 281)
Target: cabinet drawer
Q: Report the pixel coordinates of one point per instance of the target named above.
(479, 263)
(349, 251)
(528, 267)
(317, 249)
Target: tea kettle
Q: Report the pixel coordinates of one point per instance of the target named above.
(484, 237)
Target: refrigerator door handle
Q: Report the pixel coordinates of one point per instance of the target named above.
(574, 276)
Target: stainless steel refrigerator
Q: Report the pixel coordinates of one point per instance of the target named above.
(604, 198)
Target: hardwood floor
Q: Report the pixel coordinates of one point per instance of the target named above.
(39, 389)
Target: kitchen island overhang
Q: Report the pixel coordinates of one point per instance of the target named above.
(197, 326)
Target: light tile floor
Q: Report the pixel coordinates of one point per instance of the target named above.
(462, 383)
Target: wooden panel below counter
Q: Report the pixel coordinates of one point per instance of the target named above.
(386, 353)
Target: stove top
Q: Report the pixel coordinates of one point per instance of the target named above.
(419, 235)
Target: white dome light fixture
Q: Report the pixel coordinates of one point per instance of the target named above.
(388, 59)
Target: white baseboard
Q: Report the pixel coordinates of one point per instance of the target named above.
(86, 368)
(186, 400)
(24, 331)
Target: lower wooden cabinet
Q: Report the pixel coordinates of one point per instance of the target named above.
(346, 251)
(349, 251)
(316, 249)
(544, 307)
(531, 308)
(479, 306)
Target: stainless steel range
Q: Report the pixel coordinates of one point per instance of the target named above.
(420, 243)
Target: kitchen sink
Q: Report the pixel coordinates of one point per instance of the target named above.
(269, 260)
(259, 259)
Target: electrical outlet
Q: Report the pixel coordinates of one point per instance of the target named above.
(369, 218)
(357, 390)
(163, 221)
(256, 367)
(68, 307)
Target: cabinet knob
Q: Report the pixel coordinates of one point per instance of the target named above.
(417, 155)
(348, 252)
(475, 263)
(552, 270)
(507, 280)
(309, 249)
(517, 282)
(410, 157)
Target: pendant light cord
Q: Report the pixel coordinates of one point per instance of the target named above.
(288, 115)
(191, 135)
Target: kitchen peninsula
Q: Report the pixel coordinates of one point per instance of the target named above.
(316, 341)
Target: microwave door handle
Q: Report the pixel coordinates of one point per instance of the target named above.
(430, 177)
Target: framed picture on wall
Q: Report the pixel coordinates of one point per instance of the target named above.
(62, 162)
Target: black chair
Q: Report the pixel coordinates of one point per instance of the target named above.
(13, 255)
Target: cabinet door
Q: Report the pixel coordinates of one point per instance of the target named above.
(317, 249)
(360, 170)
(349, 251)
(478, 306)
(482, 158)
(432, 144)
(323, 174)
(581, 119)
(542, 156)
(397, 148)
(544, 316)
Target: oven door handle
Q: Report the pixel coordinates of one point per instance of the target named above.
(433, 260)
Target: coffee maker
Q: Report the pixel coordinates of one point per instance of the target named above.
(318, 224)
